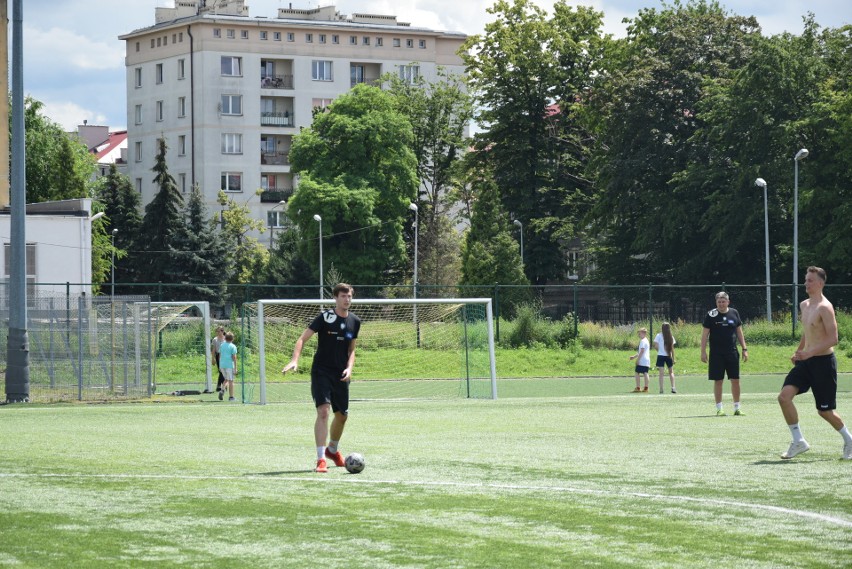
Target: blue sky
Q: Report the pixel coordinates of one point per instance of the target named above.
(74, 61)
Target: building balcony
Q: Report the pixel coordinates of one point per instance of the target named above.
(276, 82)
(373, 81)
(275, 158)
(275, 195)
(276, 119)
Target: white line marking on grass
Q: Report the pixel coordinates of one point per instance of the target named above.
(472, 485)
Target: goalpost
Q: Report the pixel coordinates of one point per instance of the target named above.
(406, 349)
(178, 344)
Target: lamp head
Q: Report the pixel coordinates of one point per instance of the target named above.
(115, 231)
(760, 182)
(412, 206)
(317, 217)
(98, 215)
(802, 154)
(518, 223)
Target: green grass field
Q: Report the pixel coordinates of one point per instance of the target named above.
(555, 473)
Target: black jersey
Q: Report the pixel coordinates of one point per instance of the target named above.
(723, 329)
(334, 334)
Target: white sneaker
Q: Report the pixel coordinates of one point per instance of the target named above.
(847, 450)
(796, 448)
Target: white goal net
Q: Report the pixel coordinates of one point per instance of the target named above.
(406, 349)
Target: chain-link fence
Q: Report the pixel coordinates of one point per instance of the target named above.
(85, 348)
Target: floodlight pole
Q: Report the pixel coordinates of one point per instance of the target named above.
(521, 232)
(413, 207)
(761, 183)
(112, 310)
(800, 155)
(318, 218)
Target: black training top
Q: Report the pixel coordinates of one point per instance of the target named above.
(334, 334)
(723, 329)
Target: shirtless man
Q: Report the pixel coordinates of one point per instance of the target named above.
(815, 367)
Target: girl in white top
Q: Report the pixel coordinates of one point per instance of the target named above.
(643, 359)
(664, 343)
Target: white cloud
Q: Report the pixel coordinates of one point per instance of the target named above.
(69, 115)
(61, 50)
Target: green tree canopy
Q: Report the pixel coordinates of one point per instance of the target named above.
(357, 171)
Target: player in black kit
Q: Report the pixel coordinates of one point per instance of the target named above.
(336, 329)
(724, 328)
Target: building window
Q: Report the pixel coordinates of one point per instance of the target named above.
(276, 218)
(232, 182)
(137, 114)
(217, 32)
(182, 183)
(180, 37)
(335, 39)
(232, 104)
(276, 36)
(181, 146)
(422, 44)
(264, 35)
(181, 68)
(380, 42)
(138, 151)
(174, 38)
(353, 40)
(291, 36)
(158, 73)
(409, 43)
(159, 42)
(321, 104)
(165, 40)
(181, 106)
(321, 70)
(322, 38)
(232, 143)
(309, 38)
(232, 66)
(244, 34)
(137, 77)
(365, 40)
(159, 111)
(153, 43)
(139, 185)
(137, 47)
(231, 34)
(409, 73)
(30, 262)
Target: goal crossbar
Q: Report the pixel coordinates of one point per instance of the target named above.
(322, 303)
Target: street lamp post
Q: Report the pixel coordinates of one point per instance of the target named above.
(761, 183)
(271, 225)
(318, 218)
(112, 268)
(800, 155)
(112, 307)
(521, 231)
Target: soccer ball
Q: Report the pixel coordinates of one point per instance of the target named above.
(354, 463)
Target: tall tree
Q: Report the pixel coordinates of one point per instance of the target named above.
(162, 224)
(201, 251)
(245, 255)
(357, 172)
(121, 204)
(440, 112)
(652, 220)
(530, 74)
(58, 167)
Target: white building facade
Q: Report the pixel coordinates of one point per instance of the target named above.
(229, 92)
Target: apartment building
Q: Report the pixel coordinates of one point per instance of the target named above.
(229, 92)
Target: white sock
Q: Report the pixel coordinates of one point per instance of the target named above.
(736, 405)
(844, 432)
(332, 446)
(718, 406)
(320, 452)
(797, 433)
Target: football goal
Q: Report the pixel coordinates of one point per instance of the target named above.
(406, 349)
(178, 344)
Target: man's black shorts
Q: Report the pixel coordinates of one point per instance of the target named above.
(721, 363)
(820, 374)
(327, 387)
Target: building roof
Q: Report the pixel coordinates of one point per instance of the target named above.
(110, 150)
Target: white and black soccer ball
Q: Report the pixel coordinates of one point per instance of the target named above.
(354, 462)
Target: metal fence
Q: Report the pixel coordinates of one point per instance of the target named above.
(95, 348)
(85, 348)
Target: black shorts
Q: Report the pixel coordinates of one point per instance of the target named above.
(820, 374)
(722, 363)
(327, 387)
(665, 361)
